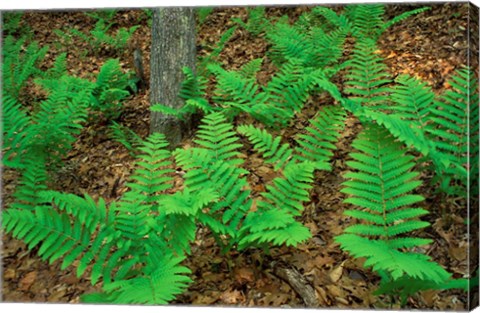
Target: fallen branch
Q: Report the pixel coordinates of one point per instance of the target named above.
(298, 283)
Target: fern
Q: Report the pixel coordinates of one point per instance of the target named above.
(450, 128)
(273, 221)
(126, 137)
(16, 126)
(58, 69)
(380, 188)
(193, 92)
(367, 20)
(435, 126)
(214, 51)
(152, 168)
(269, 147)
(19, 64)
(317, 143)
(57, 123)
(100, 36)
(367, 75)
(32, 182)
(288, 42)
(249, 70)
(214, 166)
(11, 22)
(256, 23)
(111, 88)
(313, 146)
(203, 13)
(128, 244)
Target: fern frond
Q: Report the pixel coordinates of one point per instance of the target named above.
(86, 239)
(450, 128)
(59, 67)
(205, 172)
(382, 157)
(398, 264)
(152, 169)
(250, 69)
(158, 287)
(16, 133)
(380, 189)
(288, 42)
(402, 17)
(214, 166)
(317, 143)
(290, 192)
(366, 19)
(267, 145)
(218, 136)
(273, 221)
(32, 182)
(413, 100)
(19, 64)
(367, 74)
(125, 136)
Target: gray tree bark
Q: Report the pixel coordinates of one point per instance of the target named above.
(173, 47)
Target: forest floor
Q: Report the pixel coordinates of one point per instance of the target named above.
(430, 46)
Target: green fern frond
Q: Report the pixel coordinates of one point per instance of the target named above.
(288, 42)
(256, 23)
(385, 171)
(32, 182)
(218, 136)
(450, 117)
(290, 192)
(187, 203)
(215, 52)
(273, 221)
(367, 20)
(250, 69)
(317, 143)
(158, 287)
(214, 166)
(232, 87)
(398, 264)
(16, 133)
(57, 123)
(339, 21)
(125, 136)
(402, 17)
(86, 239)
(111, 88)
(152, 169)
(19, 64)
(59, 67)
(205, 172)
(380, 189)
(367, 75)
(267, 145)
(193, 86)
(413, 100)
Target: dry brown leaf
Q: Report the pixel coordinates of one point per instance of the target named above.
(244, 275)
(232, 297)
(27, 281)
(336, 273)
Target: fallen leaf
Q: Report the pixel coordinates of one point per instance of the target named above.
(336, 273)
(9, 274)
(335, 291)
(244, 275)
(27, 281)
(232, 297)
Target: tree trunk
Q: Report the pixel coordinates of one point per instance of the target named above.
(173, 47)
